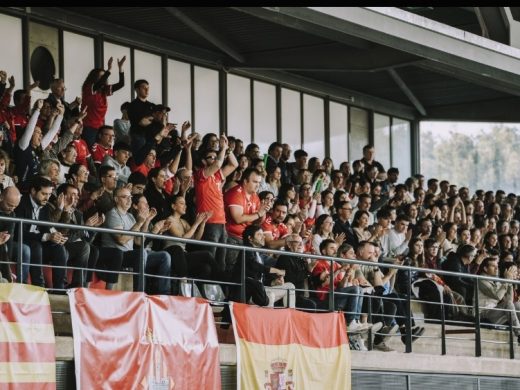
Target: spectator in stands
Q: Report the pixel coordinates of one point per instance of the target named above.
(140, 115)
(360, 226)
(154, 193)
(47, 244)
(384, 309)
(9, 200)
(138, 182)
(208, 182)
(256, 272)
(459, 262)
(122, 125)
(56, 98)
(288, 194)
(369, 161)
(243, 207)
(50, 169)
(283, 163)
(29, 146)
(398, 237)
(122, 153)
(198, 264)
(297, 270)
(300, 157)
(274, 153)
(95, 91)
(81, 252)
(433, 288)
(364, 203)
(273, 226)
(337, 181)
(5, 179)
(342, 223)
(121, 218)
(67, 159)
(103, 146)
(497, 295)
(323, 230)
(252, 152)
(274, 180)
(343, 275)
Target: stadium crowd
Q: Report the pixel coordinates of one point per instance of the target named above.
(61, 162)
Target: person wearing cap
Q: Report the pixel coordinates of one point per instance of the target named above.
(121, 155)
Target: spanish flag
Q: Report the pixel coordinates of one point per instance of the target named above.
(287, 349)
(27, 347)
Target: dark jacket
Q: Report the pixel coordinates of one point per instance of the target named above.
(25, 210)
(254, 269)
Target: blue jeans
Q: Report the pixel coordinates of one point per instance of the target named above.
(26, 259)
(216, 232)
(156, 263)
(351, 304)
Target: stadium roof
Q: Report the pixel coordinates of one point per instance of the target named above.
(414, 62)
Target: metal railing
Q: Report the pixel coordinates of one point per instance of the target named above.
(19, 223)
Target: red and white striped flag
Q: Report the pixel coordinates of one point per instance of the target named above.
(27, 345)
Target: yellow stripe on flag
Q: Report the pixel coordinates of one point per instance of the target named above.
(27, 372)
(14, 332)
(307, 367)
(23, 294)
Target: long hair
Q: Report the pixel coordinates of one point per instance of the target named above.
(92, 77)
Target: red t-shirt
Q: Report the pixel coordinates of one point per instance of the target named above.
(96, 103)
(99, 152)
(236, 197)
(277, 231)
(322, 265)
(208, 195)
(82, 152)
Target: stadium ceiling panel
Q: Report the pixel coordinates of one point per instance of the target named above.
(417, 62)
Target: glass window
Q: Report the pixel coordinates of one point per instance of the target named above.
(402, 148)
(313, 126)
(149, 67)
(12, 60)
(291, 118)
(338, 133)
(382, 139)
(265, 115)
(179, 92)
(206, 101)
(239, 107)
(78, 60)
(124, 94)
(358, 132)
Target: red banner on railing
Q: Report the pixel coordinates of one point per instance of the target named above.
(286, 349)
(129, 340)
(27, 346)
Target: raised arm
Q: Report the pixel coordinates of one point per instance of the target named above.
(29, 130)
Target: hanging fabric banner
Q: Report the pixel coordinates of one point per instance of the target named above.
(129, 340)
(287, 349)
(27, 345)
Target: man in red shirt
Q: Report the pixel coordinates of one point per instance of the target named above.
(274, 228)
(208, 182)
(243, 207)
(104, 145)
